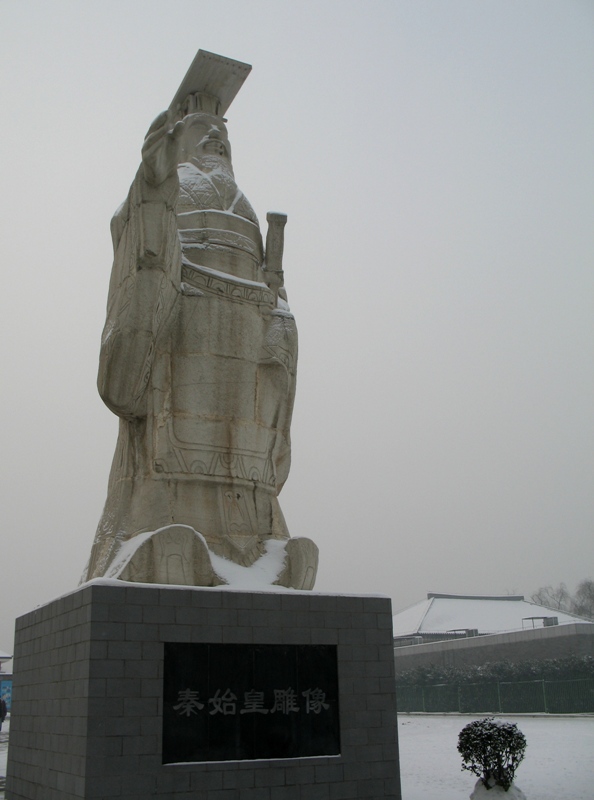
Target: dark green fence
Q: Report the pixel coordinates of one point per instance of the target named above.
(551, 697)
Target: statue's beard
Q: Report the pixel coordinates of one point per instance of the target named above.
(211, 163)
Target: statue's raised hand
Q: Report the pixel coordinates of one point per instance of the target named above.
(160, 149)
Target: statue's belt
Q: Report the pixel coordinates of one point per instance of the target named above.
(214, 282)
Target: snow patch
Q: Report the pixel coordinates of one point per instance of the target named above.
(264, 571)
(482, 793)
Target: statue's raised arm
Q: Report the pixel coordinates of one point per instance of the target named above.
(146, 273)
(160, 149)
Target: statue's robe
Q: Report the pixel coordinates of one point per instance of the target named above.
(198, 360)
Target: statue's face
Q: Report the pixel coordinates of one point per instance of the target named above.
(205, 135)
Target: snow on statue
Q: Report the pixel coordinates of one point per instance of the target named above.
(198, 359)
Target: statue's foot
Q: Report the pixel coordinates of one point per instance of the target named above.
(176, 554)
(301, 564)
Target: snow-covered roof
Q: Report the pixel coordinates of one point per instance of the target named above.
(446, 613)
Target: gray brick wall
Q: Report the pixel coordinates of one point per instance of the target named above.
(554, 642)
(88, 683)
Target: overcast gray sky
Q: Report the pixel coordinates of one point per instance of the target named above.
(435, 160)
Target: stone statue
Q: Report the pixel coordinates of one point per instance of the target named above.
(198, 360)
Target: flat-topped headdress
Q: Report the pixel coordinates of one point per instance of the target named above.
(210, 85)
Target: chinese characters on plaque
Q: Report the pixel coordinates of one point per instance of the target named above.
(232, 702)
(285, 702)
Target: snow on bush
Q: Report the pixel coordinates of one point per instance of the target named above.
(492, 750)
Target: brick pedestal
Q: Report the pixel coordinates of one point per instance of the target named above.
(87, 718)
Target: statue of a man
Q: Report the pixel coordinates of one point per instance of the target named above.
(198, 359)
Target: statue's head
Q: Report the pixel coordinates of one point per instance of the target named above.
(204, 141)
(200, 103)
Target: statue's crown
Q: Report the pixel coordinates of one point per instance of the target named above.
(210, 85)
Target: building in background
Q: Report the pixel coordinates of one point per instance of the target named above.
(5, 680)
(460, 630)
(443, 617)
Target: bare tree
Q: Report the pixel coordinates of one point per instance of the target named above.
(557, 598)
(560, 599)
(582, 602)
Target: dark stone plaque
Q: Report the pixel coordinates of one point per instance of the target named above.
(228, 702)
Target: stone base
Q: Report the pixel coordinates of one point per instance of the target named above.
(88, 705)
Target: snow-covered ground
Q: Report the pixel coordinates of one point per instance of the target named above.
(559, 763)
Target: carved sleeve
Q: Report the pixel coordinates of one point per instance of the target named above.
(143, 290)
